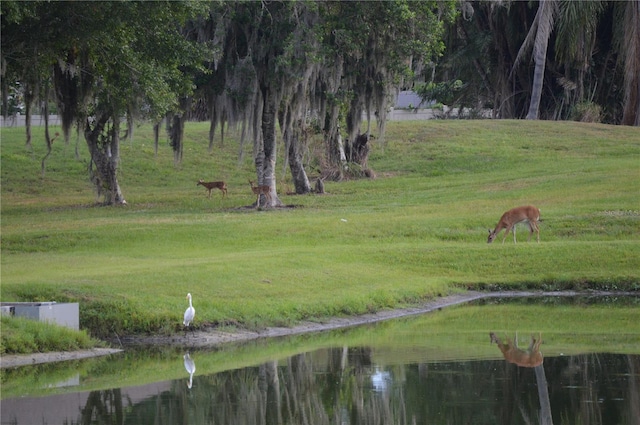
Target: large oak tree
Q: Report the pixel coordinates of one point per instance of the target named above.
(103, 58)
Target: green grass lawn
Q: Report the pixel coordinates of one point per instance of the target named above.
(415, 232)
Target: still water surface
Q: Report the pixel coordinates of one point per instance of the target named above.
(419, 370)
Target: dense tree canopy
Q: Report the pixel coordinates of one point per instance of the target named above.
(276, 68)
(103, 59)
(587, 68)
(307, 60)
(251, 63)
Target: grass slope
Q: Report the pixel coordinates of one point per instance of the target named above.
(417, 231)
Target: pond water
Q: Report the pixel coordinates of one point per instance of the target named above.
(437, 368)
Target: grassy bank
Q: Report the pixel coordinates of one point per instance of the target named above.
(417, 231)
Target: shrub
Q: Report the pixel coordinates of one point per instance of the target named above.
(587, 112)
(21, 335)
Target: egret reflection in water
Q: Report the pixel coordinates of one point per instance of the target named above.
(381, 380)
(190, 365)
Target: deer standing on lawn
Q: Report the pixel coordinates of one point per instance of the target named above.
(261, 190)
(213, 185)
(531, 357)
(526, 214)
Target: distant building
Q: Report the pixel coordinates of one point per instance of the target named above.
(408, 99)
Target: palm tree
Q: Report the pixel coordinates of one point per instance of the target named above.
(631, 53)
(538, 36)
(575, 49)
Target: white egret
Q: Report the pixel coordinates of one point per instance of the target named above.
(189, 313)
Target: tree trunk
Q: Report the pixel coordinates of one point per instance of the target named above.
(544, 27)
(130, 125)
(27, 123)
(176, 130)
(29, 95)
(266, 157)
(104, 147)
(47, 138)
(295, 141)
(213, 119)
(354, 121)
(335, 147)
(176, 134)
(156, 137)
(538, 78)
(298, 174)
(5, 96)
(631, 114)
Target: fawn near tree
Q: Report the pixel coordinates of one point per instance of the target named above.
(261, 190)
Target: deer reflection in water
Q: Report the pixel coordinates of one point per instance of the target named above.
(190, 365)
(531, 357)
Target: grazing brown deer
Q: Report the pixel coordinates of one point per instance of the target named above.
(261, 190)
(531, 357)
(527, 214)
(213, 185)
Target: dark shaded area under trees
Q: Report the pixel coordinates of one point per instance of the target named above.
(591, 67)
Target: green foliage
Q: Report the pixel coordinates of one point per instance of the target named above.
(416, 232)
(586, 112)
(585, 36)
(129, 52)
(442, 92)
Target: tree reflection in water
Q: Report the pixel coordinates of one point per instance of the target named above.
(103, 407)
(336, 386)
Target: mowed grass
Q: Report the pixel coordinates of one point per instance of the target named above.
(415, 232)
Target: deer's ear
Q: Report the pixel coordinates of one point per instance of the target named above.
(489, 231)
